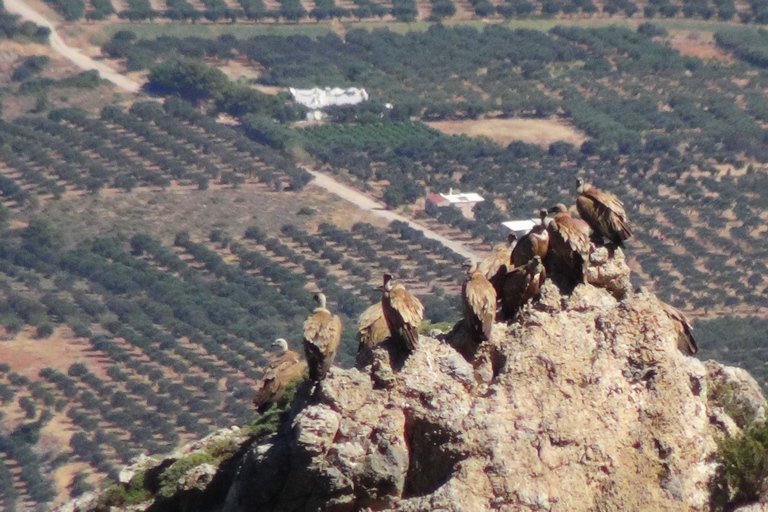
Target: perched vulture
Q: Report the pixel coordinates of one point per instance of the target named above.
(286, 368)
(494, 267)
(372, 329)
(479, 298)
(568, 247)
(685, 341)
(534, 243)
(520, 286)
(604, 213)
(322, 334)
(403, 313)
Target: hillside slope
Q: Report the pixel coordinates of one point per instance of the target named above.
(584, 403)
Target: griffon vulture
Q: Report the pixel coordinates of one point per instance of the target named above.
(322, 334)
(534, 243)
(372, 329)
(683, 327)
(284, 369)
(568, 247)
(520, 285)
(495, 266)
(403, 313)
(604, 213)
(479, 298)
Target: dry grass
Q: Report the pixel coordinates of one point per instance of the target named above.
(532, 131)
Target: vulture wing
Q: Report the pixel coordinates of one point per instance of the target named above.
(406, 314)
(605, 213)
(685, 341)
(277, 376)
(494, 266)
(479, 298)
(322, 334)
(372, 327)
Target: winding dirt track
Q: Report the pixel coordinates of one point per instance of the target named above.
(73, 54)
(362, 201)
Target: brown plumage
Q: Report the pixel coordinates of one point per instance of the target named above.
(372, 330)
(683, 327)
(568, 247)
(479, 298)
(604, 213)
(534, 243)
(685, 341)
(322, 335)
(520, 286)
(403, 313)
(286, 368)
(494, 267)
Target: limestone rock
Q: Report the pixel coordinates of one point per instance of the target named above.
(139, 463)
(83, 503)
(609, 270)
(198, 477)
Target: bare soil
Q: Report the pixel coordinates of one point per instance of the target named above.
(28, 355)
(532, 131)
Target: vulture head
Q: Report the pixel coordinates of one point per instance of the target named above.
(387, 286)
(558, 208)
(320, 299)
(281, 345)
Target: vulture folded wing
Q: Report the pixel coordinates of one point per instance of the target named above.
(277, 376)
(411, 311)
(265, 393)
(332, 346)
(372, 327)
(515, 286)
(315, 361)
(685, 341)
(524, 251)
(480, 296)
(575, 234)
(495, 263)
(610, 214)
(322, 334)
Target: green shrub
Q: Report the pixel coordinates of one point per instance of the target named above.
(743, 472)
(118, 495)
(727, 396)
(212, 454)
(305, 210)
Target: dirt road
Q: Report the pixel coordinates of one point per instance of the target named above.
(73, 54)
(364, 202)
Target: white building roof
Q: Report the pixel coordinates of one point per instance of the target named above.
(520, 225)
(318, 98)
(462, 197)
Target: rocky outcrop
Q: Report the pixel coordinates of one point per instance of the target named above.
(583, 403)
